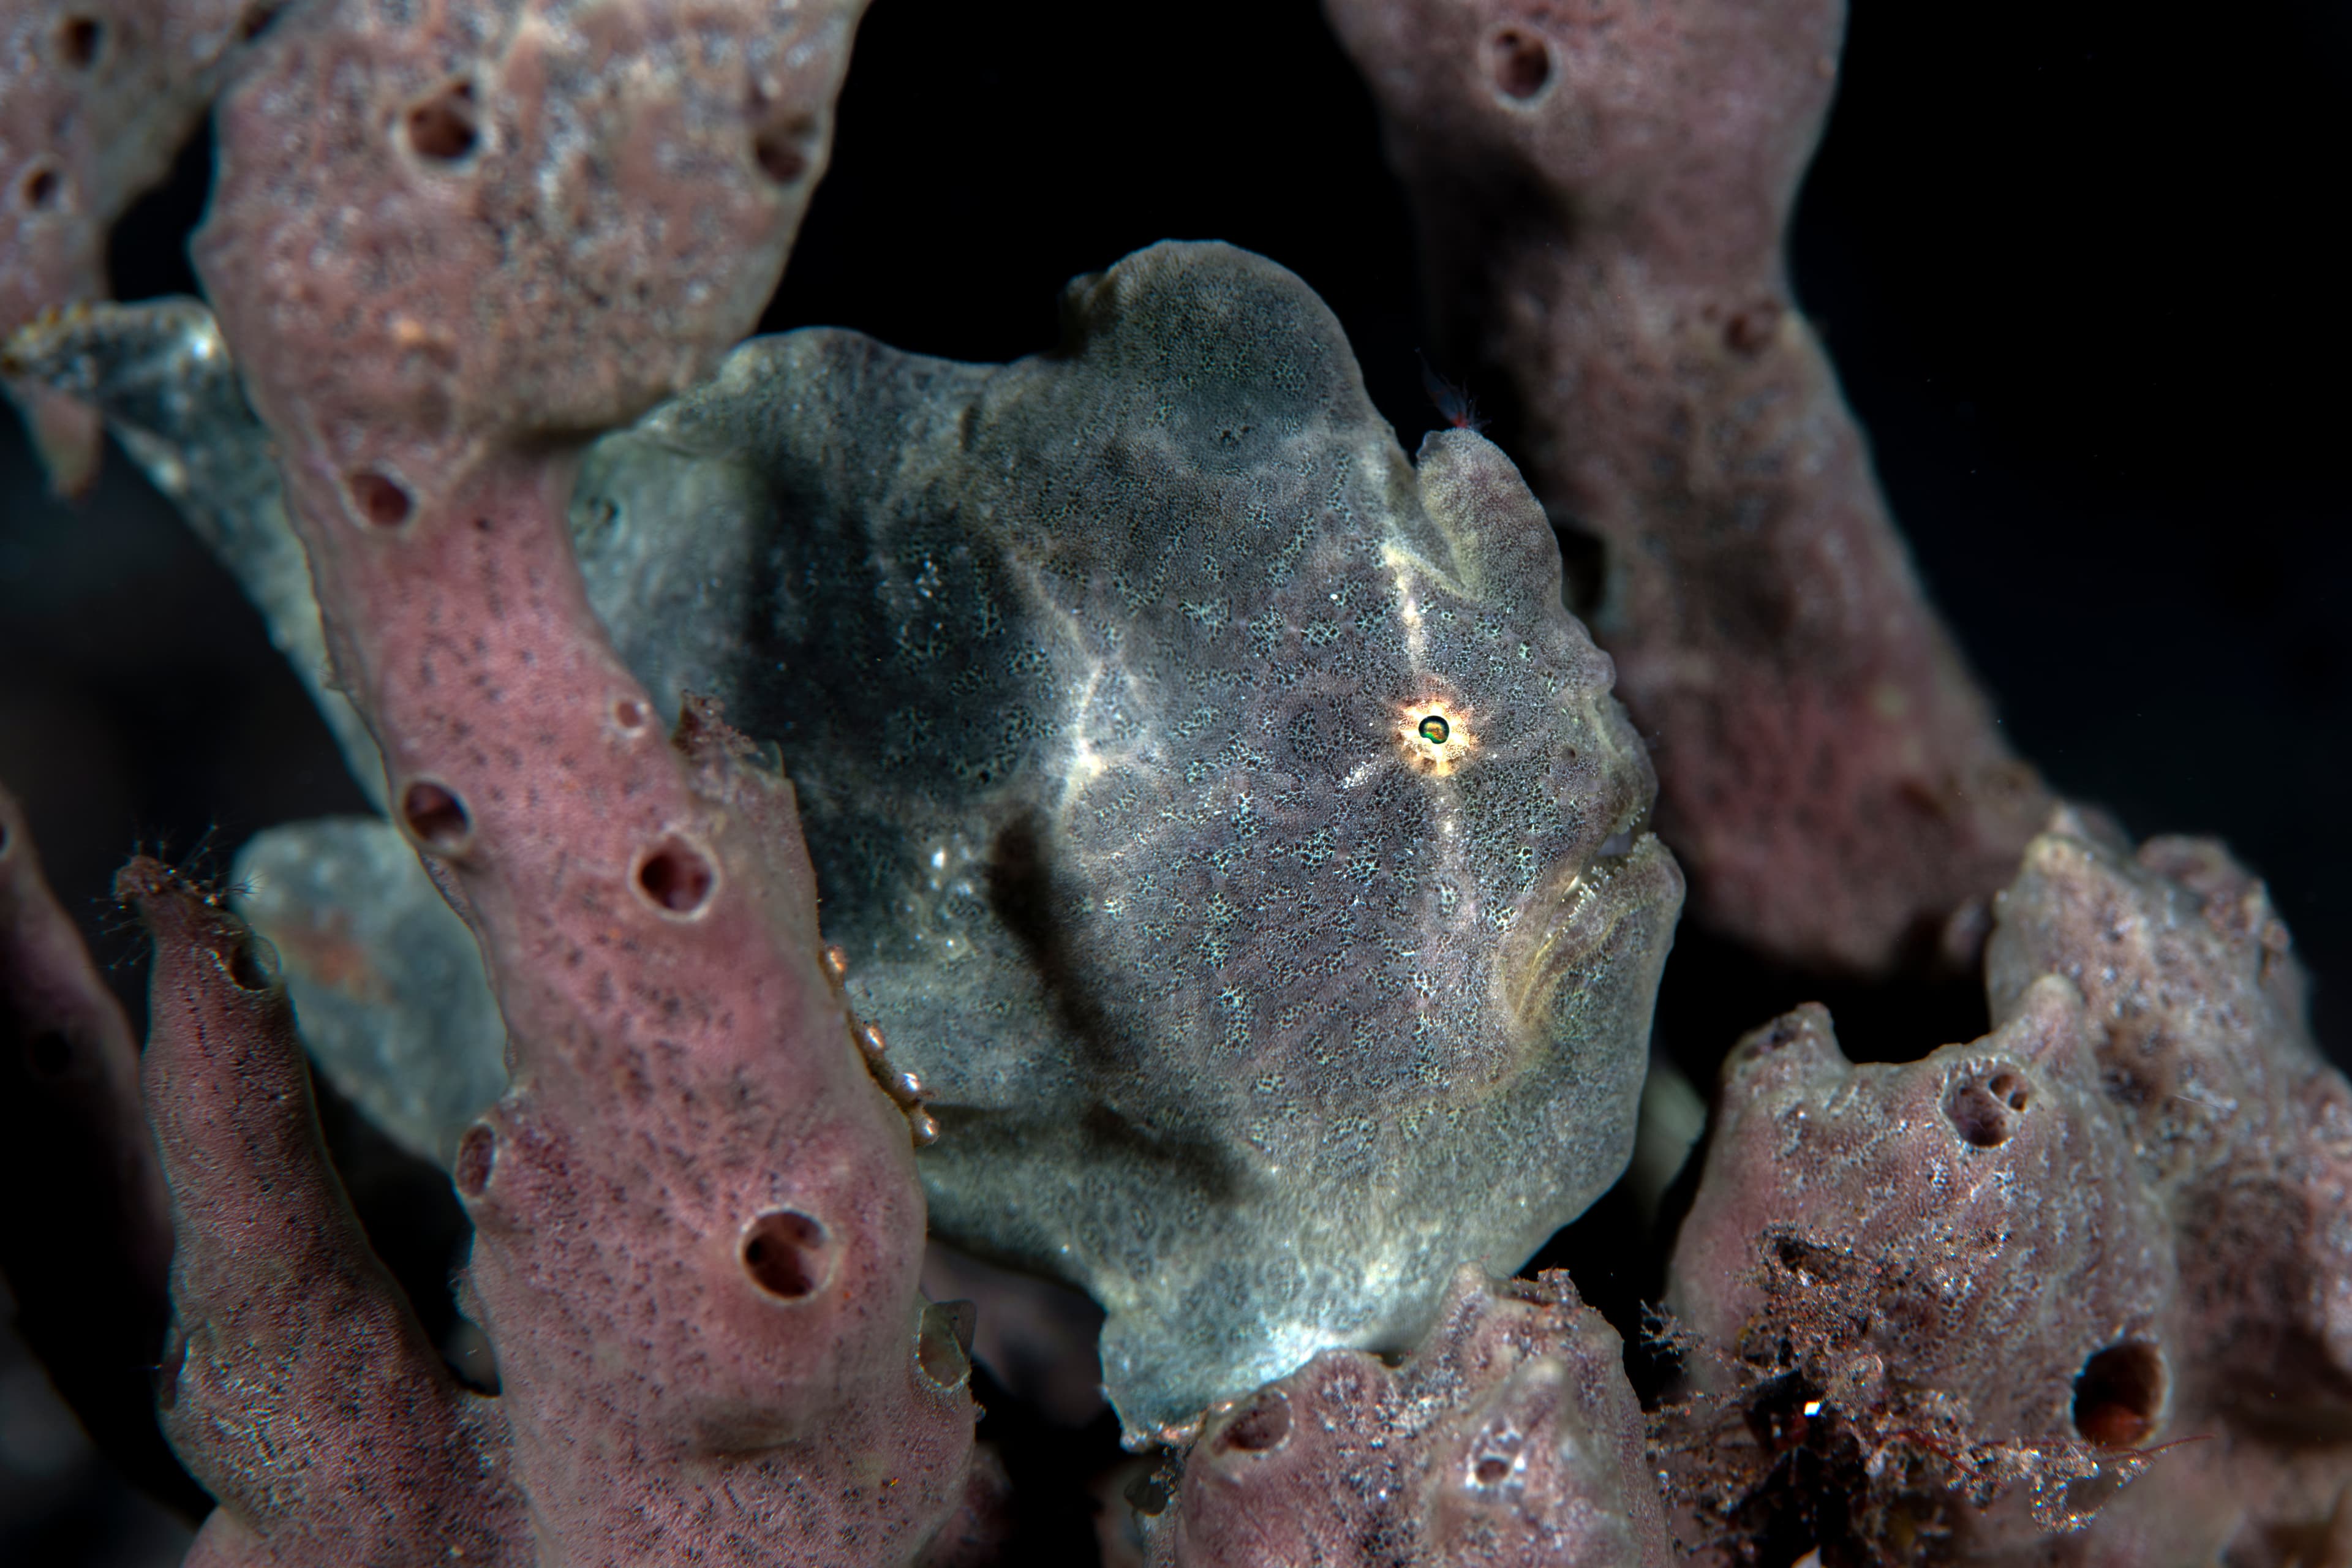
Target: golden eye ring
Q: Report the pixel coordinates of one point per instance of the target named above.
(1435, 736)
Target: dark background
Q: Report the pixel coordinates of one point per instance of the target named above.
(2075, 263)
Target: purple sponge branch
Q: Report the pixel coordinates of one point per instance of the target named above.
(444, 244)
(297, 1382)
(438, 229)
(1509, 1438)
(1602, 195)
(96, 95)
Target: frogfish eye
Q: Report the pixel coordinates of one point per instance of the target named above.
(1434, 730)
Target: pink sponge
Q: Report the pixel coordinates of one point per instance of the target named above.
(1509, 1438)
(443, 241)
(96, 97)
(1602, 192)
(2087, 1274)
(296, 1382)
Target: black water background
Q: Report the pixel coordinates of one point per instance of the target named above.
(2075, 262)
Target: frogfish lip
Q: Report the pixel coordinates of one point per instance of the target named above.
(1612, 910)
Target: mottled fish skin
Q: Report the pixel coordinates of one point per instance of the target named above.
(1105, 678)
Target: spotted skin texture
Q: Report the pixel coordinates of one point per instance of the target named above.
(1127, 691)
(1134, 691)
(2119, 1221)
(1247, 1008)
(96, 97)
(1601, 193)
(1510, 1439)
